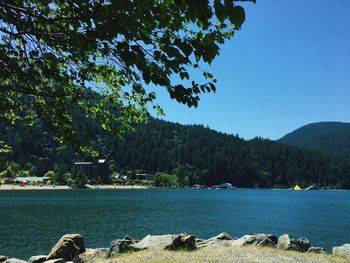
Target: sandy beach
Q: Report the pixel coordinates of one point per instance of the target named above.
(109, 186)
(65, 187)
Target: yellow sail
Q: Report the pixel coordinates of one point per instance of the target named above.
(297, 188)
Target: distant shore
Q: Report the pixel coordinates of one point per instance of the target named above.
(112, 186)
(65, 187)
(33, 187)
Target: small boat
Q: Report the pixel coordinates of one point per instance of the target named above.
(311, 187)
(297, 188)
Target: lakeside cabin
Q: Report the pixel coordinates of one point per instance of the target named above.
(144, 176)
(95, 170)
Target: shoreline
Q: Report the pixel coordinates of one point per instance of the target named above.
(120, 187)
(6, 187)
(257, 248)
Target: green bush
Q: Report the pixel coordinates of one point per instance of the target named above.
(80, 180)
(165, 180)
(50, 174)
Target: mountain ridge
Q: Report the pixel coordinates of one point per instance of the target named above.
(327, 137)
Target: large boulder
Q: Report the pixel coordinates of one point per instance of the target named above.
(120, 245)
(37, 259)
(153, 242)
(256, 240)
(91, 255)
(287, 242)
(222, 236)
(3, 258)
(317, 250)
(78, 241)
(221, 239)
(57, 260)
(303, 244)
(68, 247)
(183, 241)
(343, 251)
(15, 260)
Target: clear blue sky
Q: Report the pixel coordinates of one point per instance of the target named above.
(287, 67)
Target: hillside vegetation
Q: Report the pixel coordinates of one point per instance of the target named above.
(328, 137)
(192, 153)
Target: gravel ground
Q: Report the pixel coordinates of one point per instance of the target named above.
(223, 254)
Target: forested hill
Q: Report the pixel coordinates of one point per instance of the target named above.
(193, 153)
(328, 137)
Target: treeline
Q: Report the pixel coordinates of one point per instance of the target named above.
(191, 154)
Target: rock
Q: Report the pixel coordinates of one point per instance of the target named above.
(154, 242)
(68, 247)
(183, 241)
(303, 244)
(318, 250)
(78, 241)
(92, 254)
(120, 245)
(15, 260)
(3, 258)
(343, 251)
(262, 240)
(37, 259)
(57, 260)
(223, 236)
(221, 239)
(288, 243)
(64, 249)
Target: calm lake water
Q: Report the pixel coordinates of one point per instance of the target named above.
(32, 221)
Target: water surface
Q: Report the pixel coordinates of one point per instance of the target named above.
(32, 221)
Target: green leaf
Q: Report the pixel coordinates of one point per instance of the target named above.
(184, 75)
(237, 16)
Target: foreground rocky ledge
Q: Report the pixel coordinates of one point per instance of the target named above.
(222, 254)
(187, 248)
